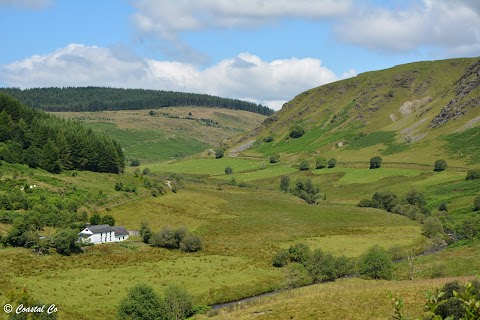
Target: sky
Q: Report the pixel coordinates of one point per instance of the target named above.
(265, 51)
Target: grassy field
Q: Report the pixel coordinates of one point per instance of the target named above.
(168, 133)
(366, 175)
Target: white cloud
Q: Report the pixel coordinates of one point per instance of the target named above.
(26, 4)
(453, 26)
(167, 18)
(243, 77)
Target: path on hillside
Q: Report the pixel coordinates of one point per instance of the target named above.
(243, 147)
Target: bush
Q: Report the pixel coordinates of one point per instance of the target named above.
(332, 163)
(414, 197)
(178, 303)
(440, 165)
(296, 131)
(321, 266)
(165, 239)
(469, 228)
(384, 200)
(296, 275)
(432, 228)
(134, 163)
(442, 207)
(191, 243)
(476, 203)
(274, 158)
(268, 139)
(95, 219)
(376, 264)
(145, 232)
(228, 170)
(304, 165)
(473, 174)
(118, 186)
(66, 242)
(375, 162)
(281, 258)
(320, 163)
(365, 203)
(146, 171)
(219, 152)
(284, 183)
(142, 303)
(299, 252)
(108, 219)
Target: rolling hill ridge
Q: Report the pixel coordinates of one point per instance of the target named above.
(430, 108)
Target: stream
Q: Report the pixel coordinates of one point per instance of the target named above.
(218, 306)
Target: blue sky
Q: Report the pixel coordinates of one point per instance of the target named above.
(266, 51)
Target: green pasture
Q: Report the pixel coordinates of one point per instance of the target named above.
(268, 172)
(209, 166)
(352, 175)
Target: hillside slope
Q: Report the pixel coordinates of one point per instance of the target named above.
(415, 112)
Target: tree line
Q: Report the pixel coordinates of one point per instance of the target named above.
(40, 140)
(101, 98)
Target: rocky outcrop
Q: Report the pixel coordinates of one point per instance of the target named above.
(462, 101)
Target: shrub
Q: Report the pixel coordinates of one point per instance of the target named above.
(414, 197)
(376, 264)
(432, 228)
(304, 165)
(473, 174)
(178, 303)
(191, 243)
(476, 203)
(299, 252)
(268, 139)
(146, 171)
(108, 219)
(274, 158)
(321, 266)
(281, 258)
(296, 131)
(375, 162)
(320, 163)
(344, 266)
(384, 200)
(95, 219)
(66, 242)
(219, 152)
(440, 165)
(165, 239)
(228, 170)
(365, 203)
(284, 183)
(296, 275)
(142, 303)
(469, 228)
(443, 207)
(145, 232)
(134, 163)
(332, 163)
(118, 186)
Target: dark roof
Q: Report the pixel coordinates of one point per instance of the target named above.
(120, 231)
(100, 228)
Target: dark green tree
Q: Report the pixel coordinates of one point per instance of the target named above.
(50, 158)
(219, 153)
(108, 219)
(145, 232)
(304, 165)
(416, 198)
(376, 264)
(274, 158)
(375, 162)
(473, 174)
(440, 165)
(228, 170)
(165, 239)
(296, 131)
(95, 219)
(321, 266)
(66, 242)
(284, 183)
(178, 303)
(299, 252)
(281, 258)
(332, 163)
(320, 163)
(142, 303)
(191, 243)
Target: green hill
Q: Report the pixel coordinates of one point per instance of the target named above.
(101, 98)
(416, 113)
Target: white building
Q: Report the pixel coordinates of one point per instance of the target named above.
(103, 234)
